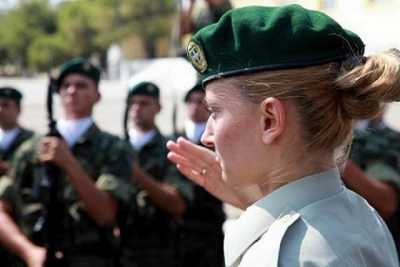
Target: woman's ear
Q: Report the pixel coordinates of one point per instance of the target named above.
(273, 119)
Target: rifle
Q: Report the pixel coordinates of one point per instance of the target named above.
(125, 120)
(57, 255)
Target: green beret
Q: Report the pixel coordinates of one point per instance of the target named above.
(80, 66)
(259, 38)
(198, 87)
(10, 93)
(144, 88)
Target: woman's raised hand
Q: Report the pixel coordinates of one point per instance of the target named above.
(202, 166)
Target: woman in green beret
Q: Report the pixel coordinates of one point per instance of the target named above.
(283, 86)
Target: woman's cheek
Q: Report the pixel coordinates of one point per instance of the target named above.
(227, 140)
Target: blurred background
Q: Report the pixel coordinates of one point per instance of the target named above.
(135, 40)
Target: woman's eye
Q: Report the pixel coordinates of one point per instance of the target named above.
(213, 111)
(213, 114)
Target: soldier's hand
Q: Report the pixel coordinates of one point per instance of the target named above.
(4, 166)
(137, 172)
(36, 257)
(55, 150)
(202, 166)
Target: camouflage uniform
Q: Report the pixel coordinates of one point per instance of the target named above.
(377, 152)
(148, 235)
(200, 233)
(10, 196)
(107, 161)
(6, 258)
(22, 136)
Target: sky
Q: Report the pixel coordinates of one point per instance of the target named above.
(6, 4)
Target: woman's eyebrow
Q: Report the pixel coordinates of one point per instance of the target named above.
(210, 102)
(206, 101)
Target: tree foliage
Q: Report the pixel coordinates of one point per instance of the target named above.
(148, 19)
(21, 26)
(35, 35)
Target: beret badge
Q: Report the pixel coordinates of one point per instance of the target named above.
(196, 57)
(55, 73)
(86, 66)
(151, 88)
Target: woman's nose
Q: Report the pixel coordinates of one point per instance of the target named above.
(207, 137)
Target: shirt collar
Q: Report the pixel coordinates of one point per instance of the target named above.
(138, 139)
(257, 218)
(73, 130)
(7, 137)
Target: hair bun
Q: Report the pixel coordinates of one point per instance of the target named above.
(366, 86)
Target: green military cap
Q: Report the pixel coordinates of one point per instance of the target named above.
(10, 93)
(144, 88)
(259, 38)
(78, 65)
(198, 87)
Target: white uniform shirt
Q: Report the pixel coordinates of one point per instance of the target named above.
(8, 137)
(312, 222)
(139, 140)
(194, 131)
(72, 130)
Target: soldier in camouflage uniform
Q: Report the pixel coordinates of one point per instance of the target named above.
(148, 236)
(12, 135)
(200, 235)
(96, 168)
(374, 171)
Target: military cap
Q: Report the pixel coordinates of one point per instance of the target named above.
(78, 65)
(144, 88)
(198, 87)
(256, 38)
(10, 93)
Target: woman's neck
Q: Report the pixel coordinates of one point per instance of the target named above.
(282, 174)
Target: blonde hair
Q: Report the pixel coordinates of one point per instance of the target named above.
(329, 97)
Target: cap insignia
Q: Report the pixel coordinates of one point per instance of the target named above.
(196, 57)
